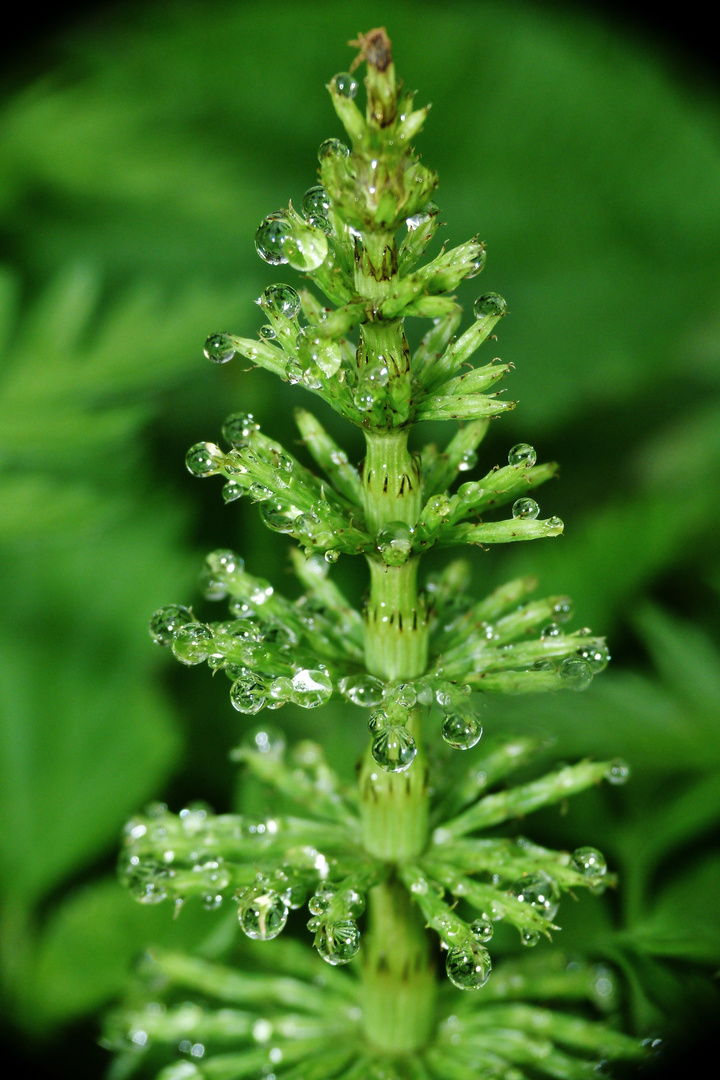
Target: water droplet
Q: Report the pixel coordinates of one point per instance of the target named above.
(451, 696)
(262, 913)
(529, 938)
(219, 348)
(266, 740)
(166, 622)
(477, 264)
(248, 693)
(283, 463)
(224, 561)
(563, 609)
(332, 148)
(232, 491)
(204, 459)
(239, 429)
(552, 630)
(312, 379)
(489, 304)
(305, 247)
(482, 930)
(468, 965)
(316, 203)
(321, 900)
(376, 374)
(526, 509)
(262, 1030)
(311, 688)
(270, 236)
(617, 772)
(278, 516)
(589, 862)
(235, 465)
(394, 748)
(338, 942)
(267, 333)
(423, 217)
(467, 461)
(332, 555)
(403, 696)
(316, 352)
(543, 665)
(259, 492)
(462, 732)
(522, 455)
(378, 721)
(354, 902)
(539, 891)
(193, 643)
(576, 673)
(147, 879)
(212, 902)
(363, 690)
(394, 543)
(261, 593)
(364, 398)
(281, 690)
(293, 372)
(237, 632)
(345, 85)
(554, 523)
(280, 299)
(597, 656)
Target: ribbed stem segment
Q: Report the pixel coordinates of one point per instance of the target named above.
(396, 628)
(398, 973)
(391, 480)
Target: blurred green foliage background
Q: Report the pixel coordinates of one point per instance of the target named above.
(137, 156)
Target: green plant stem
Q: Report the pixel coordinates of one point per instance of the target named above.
(396, 631)
(394, 806)
(398, 972)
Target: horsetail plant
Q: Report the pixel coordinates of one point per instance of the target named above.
(410, 841)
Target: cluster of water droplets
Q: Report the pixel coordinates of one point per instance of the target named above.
(316, 208)
(460, 728)
(291, 499)
(176, 856)
(511, 638)
(393, 746)
(541, 893)
(247, 650)
(308, 688)
(334, 912)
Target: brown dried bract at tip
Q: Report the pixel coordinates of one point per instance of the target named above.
(374, 47)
